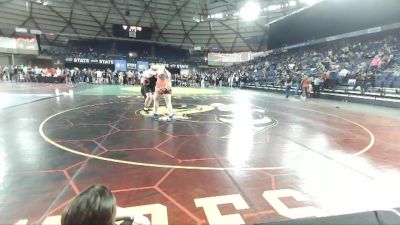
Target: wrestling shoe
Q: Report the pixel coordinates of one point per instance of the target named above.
(146, 109)
(155, 117)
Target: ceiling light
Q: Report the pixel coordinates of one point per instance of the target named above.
(43, 2)
(250, 11)
(273, 7)
(218, 15)
(309, 2)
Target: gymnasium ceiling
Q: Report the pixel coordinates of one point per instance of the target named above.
(185, 23)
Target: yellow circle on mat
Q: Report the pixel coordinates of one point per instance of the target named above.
(44, 136)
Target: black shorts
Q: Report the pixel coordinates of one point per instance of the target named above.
(150, 85)
(150, 88)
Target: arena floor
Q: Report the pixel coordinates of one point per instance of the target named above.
(233, 156)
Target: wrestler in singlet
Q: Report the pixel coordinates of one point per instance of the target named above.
(149, 86)
(163, 88)
(164, 83)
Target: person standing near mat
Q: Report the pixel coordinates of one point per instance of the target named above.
(288, 85)
(163, 88)
(149, 86)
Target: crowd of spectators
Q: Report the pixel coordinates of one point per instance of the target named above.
(365, 64)
(66, 75)
(108, 50)
(18, 73)
(99, 76)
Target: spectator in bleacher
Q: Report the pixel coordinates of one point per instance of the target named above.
(390, 61)
(375, 64)
(362, 82)
(344, 72)
(317, 87)
(325, 81)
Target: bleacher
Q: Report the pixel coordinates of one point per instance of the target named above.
(355, 55)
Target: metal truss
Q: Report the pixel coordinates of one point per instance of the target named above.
(185, 32)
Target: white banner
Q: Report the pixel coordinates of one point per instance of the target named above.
(231, 58)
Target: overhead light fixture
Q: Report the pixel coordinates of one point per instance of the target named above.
(273, 7)
(37, 32)
(21, 30)
(292, 3)
(218, 15)
(250, 11)
(310, 2)
(43, 2)
(197, 19)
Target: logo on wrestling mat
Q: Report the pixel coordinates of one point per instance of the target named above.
(225, 113)
(255, 116)
(181, 111)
